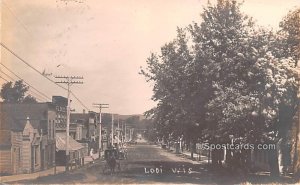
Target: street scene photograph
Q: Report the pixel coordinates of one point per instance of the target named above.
(150, 92)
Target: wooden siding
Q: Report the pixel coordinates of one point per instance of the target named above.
(16, 152)
(5, 161)
(26, 157)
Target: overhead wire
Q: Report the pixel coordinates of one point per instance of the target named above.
(25, 81)
(79, 101)
(17, 56)
(18, 20)
(22, 60)
(4, 79)
(32, 92)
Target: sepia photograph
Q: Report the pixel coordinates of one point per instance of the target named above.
(150, 92)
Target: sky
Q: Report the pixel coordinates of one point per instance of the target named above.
(105, 41)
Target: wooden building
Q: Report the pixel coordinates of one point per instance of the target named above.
(27, 142)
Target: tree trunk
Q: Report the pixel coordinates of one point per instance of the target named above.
(273, 163)
(192, 149)
(296, 157)
(297, 148)
(214, 157)
(297, 143)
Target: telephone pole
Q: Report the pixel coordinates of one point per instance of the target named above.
(118, 130)
(69, 80)
(100, 106)
(112, 129)
(125, 138)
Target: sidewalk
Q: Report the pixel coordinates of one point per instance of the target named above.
(88, 159)
(18, 177)
(59, 169)
(187, 154)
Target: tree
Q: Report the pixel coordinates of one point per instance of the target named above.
(244, 76)
(15, 93)
(230, 79)
(291, 34)
(170, 89)
(291, 46)
(29, 99)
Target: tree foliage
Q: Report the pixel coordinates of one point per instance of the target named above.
(291, 33)
(15, 93)
(226, 76)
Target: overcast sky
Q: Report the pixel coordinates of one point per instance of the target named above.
(105, 41)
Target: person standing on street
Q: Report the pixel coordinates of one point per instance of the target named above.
(91, 154)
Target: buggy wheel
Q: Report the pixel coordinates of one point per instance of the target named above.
(119, 166)
(104, 168)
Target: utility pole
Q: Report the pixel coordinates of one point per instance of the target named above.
(100, 106)
(125, 133)
(69, 80)
(118, 130)
(129, 134)
(112, 129)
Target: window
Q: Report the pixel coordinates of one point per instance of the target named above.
(19, 154)
(36, 155)
(53, 130)
(49, 128)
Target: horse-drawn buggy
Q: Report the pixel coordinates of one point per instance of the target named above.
(112, 158)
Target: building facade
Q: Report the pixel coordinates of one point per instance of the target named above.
(84, 129)
(60, 104)
(28, 140)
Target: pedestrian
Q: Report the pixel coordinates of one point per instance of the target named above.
(91, 154)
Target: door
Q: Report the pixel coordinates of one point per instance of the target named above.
(42, 159)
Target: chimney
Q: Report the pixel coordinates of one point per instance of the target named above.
(83, 111)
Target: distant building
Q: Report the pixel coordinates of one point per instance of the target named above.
(76, 131)
(84, 129)
(27, 141)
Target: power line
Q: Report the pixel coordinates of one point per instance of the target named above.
(28, 90)
(26, 29)
(8, 76)
(15, 16)
(14, 80)
(4, 79)
(22, 60)
(24, 81)
(80, 101)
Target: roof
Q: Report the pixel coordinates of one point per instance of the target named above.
(60, 101)
(80, 118)
(61, 142)
(14, 116)
(36, 111)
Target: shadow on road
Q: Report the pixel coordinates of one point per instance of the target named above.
(147, 164)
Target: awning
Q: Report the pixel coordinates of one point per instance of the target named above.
(61, 140)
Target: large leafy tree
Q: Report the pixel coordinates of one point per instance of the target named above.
(290, 44)
(249, 85)
(16, 93)
(171, 85)
(231, 78)
(290, 31)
